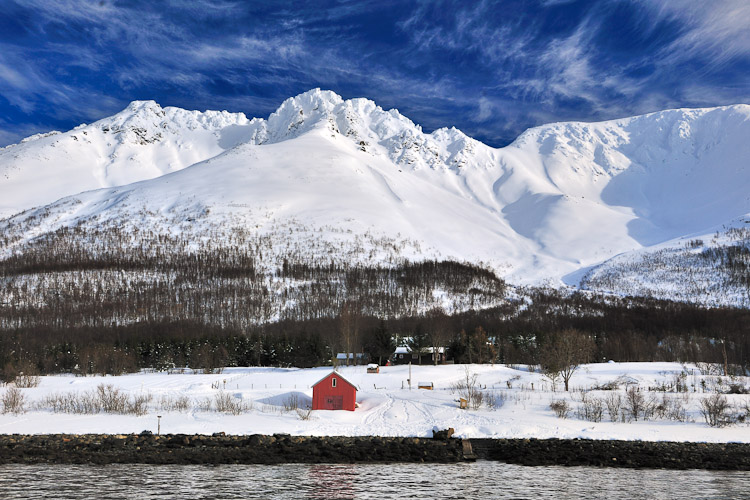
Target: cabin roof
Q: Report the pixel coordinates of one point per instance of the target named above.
(402, 349)
(337, 375)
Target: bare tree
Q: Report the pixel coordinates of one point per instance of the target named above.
(468, 388)
(438, 331)
(349, 319)
(563, 352)
(418, 342)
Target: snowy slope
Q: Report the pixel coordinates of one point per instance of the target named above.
(710, 268)
(141, 142)
(560, 199)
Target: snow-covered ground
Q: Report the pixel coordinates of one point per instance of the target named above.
(387, 406)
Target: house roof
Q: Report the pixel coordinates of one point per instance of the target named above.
(425, 350)
(352, 355)
(338, 375)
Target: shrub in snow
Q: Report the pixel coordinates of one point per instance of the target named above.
(226, 403)
(204, 404)
(138, 404)
(105, 398)
(636, 405)
(111, 398)
(671, 408)
(734, 388)
(560, 407)
(13, 401)
(304, 414)
(174, 403)
(591, 408)
(468, 389)
(716, 410)
(27, 381)
(614, 406)
(292, 402)
(493, 399)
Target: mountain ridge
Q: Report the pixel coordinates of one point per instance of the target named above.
(560, 199)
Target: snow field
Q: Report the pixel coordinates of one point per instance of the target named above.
(387, 407)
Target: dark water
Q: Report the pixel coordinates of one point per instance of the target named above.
(481, 480)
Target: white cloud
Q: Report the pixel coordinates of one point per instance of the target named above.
(486, 109)
(716, 31)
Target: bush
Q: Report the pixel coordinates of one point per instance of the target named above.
(304, 414)
(671, 408)
(476, 401)
(177, 403)
(614, 406)
(204, 404)
(225, 403)
(13, 401)
(494, 400)
(636, 404)
(69, 402)
(292, 402)
(715, 410)
(468, 388)
(111, 399)
(744, 415)
(591, 408)
(138, 404)
(734, 388)
(27, 381)
(560, 407)
(105, 398)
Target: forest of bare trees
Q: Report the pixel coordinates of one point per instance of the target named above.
(99, 301)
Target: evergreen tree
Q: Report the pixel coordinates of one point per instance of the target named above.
(381, 344)
(418, 342)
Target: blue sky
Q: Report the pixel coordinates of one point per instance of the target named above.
(491, 69)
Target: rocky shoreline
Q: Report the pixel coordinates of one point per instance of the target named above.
(601, 453)
(281, 448)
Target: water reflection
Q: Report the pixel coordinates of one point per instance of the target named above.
(480, 480)
(331, 482)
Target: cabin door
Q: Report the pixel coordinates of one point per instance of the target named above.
(334, 402)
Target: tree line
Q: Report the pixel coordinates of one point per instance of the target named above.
(620, 330)
(83, 300)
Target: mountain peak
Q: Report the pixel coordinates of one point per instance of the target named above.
(147, 105)
(312, 99)
(301, 113)
(373, 130)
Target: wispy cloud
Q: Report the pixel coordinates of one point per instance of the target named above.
(491, 68)
(716, 31)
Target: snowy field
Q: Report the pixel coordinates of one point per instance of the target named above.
(265, 400)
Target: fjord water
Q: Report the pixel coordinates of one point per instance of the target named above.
(480, 480)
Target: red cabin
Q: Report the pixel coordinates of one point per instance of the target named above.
(334, 392)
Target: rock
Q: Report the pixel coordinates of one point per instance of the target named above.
(443, 435)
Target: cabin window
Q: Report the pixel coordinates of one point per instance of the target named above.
(333, 382)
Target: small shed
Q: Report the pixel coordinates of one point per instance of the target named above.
(373, 368)
(334, 392)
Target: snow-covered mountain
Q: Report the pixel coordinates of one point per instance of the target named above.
(329, 175)
(141, 142)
